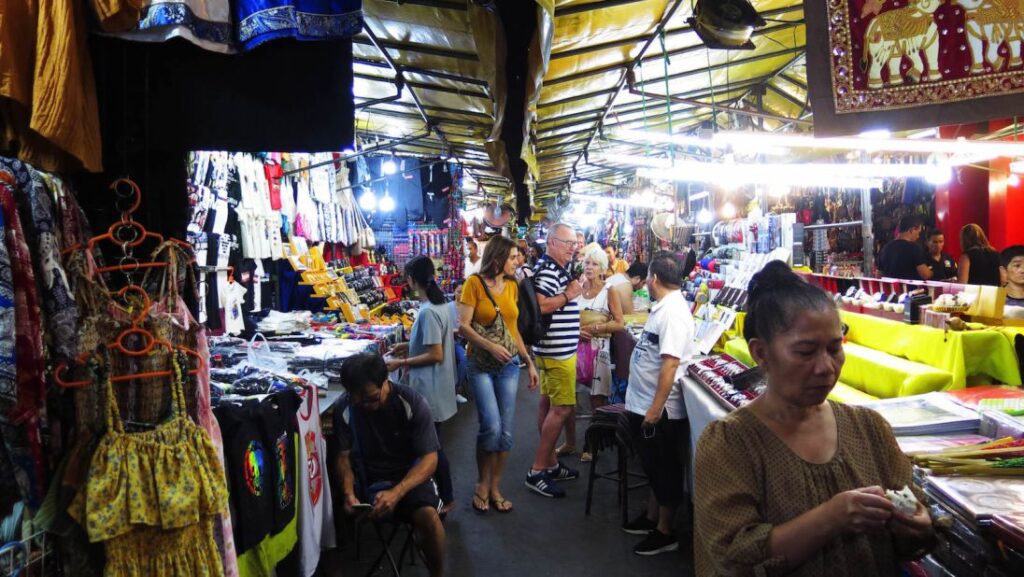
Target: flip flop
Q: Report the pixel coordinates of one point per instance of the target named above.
(500, 505)
(479, 509)
(565, 450)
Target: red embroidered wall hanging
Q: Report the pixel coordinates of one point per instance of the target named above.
(885, 55)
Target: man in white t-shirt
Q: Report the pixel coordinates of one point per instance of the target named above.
(654, 402)
(472, 265)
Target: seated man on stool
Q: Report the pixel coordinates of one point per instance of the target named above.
(390, 430)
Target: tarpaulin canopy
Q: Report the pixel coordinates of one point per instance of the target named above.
(612, 64)
(449, 56)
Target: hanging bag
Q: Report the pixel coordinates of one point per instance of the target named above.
(496, 333)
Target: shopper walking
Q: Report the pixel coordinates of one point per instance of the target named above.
(979, 263)
(556, 358)
(429, 360)
(489, 315)
(654, 401)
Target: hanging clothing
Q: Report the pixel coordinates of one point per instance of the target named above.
(262, 20)
(52, 117)
(316, 508)
(151, 497)
(205, 23)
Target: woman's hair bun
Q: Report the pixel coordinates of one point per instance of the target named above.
(776, 275)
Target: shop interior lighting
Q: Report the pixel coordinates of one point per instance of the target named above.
(704, 216)
(868, 142)
(368, 200)
(733, 178)
(388, 167)
(1013, 180)
(778, 190)
(728, 211)
(387, 204)
(728, 172)
(1017, 167)
(640, 201)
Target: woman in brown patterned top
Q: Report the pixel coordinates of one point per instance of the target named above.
(794, 484)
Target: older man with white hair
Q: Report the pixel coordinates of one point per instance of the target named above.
(556, 358)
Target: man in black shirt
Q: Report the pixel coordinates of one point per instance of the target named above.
(384, 436)
(943, 266)
(903, 257)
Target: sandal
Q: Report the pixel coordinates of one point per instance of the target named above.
(502, 505)
(565, 450)
(479, 508)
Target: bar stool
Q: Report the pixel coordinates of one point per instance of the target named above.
(609, 429)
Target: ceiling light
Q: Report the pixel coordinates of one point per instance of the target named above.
(387, 204)
(868, 142)
(704, 216)
(694, 197)
(389, 167)
(627, 228)
(1013, 180)
(728, 211)
(778, 190)
(655, 202)
(876, 133)
(368, 201)
(1017, 166)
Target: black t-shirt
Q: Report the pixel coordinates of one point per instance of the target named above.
(390, 439)
(281, 431)
(900, 259)
(247, 462)
(984, 267)
(944, 268)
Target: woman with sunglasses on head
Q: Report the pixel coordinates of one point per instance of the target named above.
(489, 304)
(429, 359)
(793, 483)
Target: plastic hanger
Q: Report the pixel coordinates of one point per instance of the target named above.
(119, 344)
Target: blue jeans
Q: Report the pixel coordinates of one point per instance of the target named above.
(460, 363)
(495, 395)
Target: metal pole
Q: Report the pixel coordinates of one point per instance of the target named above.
(362, 152)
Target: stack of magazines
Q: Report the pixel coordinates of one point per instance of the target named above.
(930, 414)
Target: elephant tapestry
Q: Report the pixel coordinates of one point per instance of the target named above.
(889, 55)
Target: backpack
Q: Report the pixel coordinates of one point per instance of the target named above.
(531, 322)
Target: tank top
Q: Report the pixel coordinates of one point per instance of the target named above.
(984, 267)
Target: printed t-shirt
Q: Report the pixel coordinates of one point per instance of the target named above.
(669, 331)
(316, 509)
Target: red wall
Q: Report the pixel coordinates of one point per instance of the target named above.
(966, 198)
(1005, 202)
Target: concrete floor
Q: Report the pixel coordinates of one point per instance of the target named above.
(541, 537)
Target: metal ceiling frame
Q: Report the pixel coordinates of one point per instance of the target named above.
(599, 5)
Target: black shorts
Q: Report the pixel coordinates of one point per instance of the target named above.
(422, 495)
(662, 456)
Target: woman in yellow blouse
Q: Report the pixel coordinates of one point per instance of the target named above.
(794, 484)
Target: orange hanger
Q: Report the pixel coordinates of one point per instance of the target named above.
(119, 344)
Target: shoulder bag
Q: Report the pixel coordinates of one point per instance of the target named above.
(496, 333)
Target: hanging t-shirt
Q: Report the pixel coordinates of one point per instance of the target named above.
(316, 509)
(247, 467)
(234, 299)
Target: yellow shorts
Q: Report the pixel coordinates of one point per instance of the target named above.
(558, 379)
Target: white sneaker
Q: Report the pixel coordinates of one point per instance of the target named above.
(461, 400)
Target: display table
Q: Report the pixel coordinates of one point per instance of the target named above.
(963, 354)
(701, 409)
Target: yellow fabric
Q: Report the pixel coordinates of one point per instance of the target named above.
(558, 380)
(886, 376)
(620, 266)
(738, 349)
(259, 561)
(145, 551)
(45, 72)
(483, 311)
(962, 354)
(117, 15)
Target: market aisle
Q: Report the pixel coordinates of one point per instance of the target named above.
(541, 536)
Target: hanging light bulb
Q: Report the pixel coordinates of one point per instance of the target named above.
(1013, 180)
(728, 211)
(704, 216)
(368, 200)
(627, 228)
(388, 167)
(387, 204)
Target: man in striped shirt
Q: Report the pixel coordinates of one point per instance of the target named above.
(556, 358)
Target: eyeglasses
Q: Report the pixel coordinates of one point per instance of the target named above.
(567, 242)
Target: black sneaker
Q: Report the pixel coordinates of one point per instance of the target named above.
(640, 526)
(656, 543)
(542, 484)
(563, 473)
